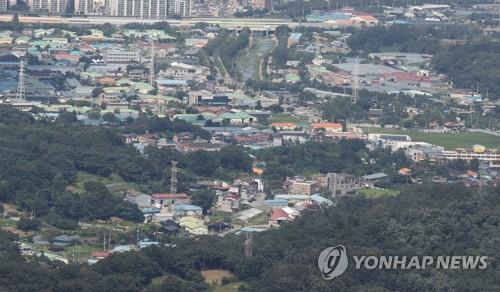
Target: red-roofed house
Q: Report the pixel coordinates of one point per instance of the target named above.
(284, 126)
(99, 255)
(279, 215)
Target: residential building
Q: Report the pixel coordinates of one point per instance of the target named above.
(300, 185)
(4, 5)
(488, 156)
(139, 199)
(121, 56)
(84, 7)
(50, 6)
(158, 9)
(193, 225)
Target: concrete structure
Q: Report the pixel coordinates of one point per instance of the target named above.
(341, 184)
(468, 154)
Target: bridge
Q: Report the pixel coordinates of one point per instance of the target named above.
(254, 24)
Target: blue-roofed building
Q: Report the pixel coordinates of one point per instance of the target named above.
(171, 82)
(152, 210)
(294, 198)
(294, 38)
(277, 203)
(187, 210)
(147, 243)
(250, 229)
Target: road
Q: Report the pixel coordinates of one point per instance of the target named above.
(229, 23)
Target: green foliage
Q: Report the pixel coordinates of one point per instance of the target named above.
(27, 224)
(475, 65)
(156, 124)
(204, 199)
(313, 157)
(408, 38)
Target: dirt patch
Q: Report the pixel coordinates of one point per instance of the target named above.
(215, 276)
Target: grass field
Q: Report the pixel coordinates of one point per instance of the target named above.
(449, 141)
(114, 183)
(375, 193)
(287, 118)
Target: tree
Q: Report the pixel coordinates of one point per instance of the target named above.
(27, 224)
(204, 199)
(110, 118)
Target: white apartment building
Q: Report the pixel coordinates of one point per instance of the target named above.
(4, 5)
(121, 56)
(84, 7)
(51, 6)
(157, 9)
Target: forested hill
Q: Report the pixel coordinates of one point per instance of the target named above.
(422, 220)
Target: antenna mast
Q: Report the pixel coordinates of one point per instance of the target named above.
(173, 178)
(20, 93)
(248, 245)
(355, 94)
(152, 64)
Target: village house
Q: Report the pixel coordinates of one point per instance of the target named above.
(163, 200)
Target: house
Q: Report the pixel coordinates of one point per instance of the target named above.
(170, 227)
(299, 185)
(139, 199)
(187, 210)
(371, 179)
(193, 225)
(99, 255)
(279, 216)
(404, 171)
(219, 227)
(162, 200)
(65, 240)
(284, 126)
(375, 113)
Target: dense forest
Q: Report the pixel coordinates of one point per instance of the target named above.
(408, 38)
(40, 162)
(422, 220)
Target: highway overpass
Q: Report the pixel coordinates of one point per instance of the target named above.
(258, 24)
